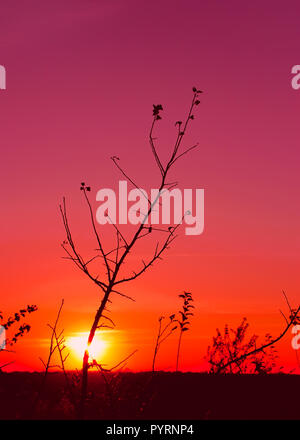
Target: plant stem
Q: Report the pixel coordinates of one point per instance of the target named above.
(85, 363)
(178, 350)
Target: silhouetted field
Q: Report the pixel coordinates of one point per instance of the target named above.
(159, 396)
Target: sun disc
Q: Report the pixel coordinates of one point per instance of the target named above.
(78, 344)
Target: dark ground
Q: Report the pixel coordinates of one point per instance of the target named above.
(160, 396)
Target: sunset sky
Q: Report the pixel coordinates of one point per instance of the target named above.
(82, 77)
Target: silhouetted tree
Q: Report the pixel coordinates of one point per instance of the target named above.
(228, 347)
(115, 258)
(232, 353)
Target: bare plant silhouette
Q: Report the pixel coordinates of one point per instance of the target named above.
(232, 344)
(232, 353)
(175, 321)
(184, 323)
(164, 331)
(22, 330)
(57, 345)
(114, 259)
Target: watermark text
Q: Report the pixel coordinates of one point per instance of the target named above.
(168, 206)
(296, 78)
(2, 78)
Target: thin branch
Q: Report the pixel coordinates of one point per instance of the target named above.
(114, 159)
(96, 233)
(122, 294)
(124, 360)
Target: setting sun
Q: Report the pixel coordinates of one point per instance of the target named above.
(78, 343)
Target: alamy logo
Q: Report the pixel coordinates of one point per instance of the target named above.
(296, 338)
(2, 78)
(296, 78)
(163, 203)
(2, 338)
